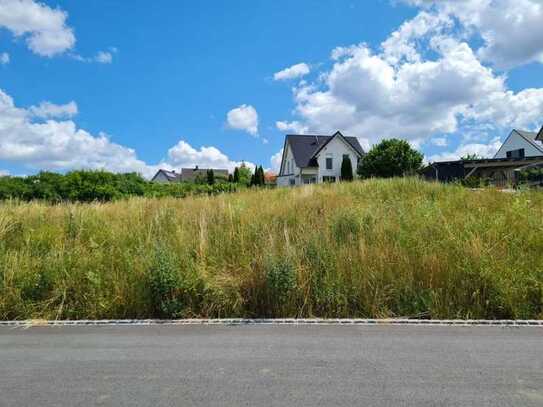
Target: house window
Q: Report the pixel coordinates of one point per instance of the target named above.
(346, 157)
(520, 153)
(292, 181)
(329, 163)
(328, 179)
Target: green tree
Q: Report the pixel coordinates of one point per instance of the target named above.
(262, 179)
(245, 174)
(230, 178)
(390, 158)
(236, 175)
(210, 177)
(473, 156)
(346, 169)
(258, 177)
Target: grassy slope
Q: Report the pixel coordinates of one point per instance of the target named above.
(367, 249)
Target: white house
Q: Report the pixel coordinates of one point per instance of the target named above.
(310, 159)
(520, 144)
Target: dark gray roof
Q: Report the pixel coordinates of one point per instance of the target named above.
(527, 134)
(531, 137)
(305, 146)
(190, 174)
(172, 176)
(540, 135)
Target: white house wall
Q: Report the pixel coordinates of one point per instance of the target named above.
(288, 163)
(335, 149)
(515, 142)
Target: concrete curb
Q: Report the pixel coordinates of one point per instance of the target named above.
(286, 321)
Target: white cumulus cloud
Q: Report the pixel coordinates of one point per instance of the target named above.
(58, 144)
(439, 141)
(43, 138)
(292, 72)
(184, 155)
(483, 150)
(511, 30)
(243, 117)
(43, 27)
(275, 161)
(101, 57)
(50, 110)
(104, 57)
(293, 126)
(425, 81)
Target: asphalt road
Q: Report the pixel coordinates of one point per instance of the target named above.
(271, 366)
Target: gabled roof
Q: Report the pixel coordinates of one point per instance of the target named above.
(172, 176)
(188, 173)
(306, 146)
(530, 137)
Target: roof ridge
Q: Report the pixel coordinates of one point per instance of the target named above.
(308, 135)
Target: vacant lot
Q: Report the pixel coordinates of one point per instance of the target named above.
(368, 249)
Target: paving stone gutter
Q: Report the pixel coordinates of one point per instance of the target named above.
(285, 321)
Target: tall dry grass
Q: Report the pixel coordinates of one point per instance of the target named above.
(379, 248)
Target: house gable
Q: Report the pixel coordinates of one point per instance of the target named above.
(520, 140)
(288, 160)
(301, 162)
(166, 176)
(305, 148)
(337, 135)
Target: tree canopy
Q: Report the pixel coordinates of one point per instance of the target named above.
(390, 158)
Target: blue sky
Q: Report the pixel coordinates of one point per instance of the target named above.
(105, 85)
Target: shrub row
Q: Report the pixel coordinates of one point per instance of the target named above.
(102, 186)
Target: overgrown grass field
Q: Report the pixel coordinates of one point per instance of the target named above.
(378, 248)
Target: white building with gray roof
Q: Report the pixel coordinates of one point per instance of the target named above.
(311, 159)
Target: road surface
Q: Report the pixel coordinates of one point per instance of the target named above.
(271, 366)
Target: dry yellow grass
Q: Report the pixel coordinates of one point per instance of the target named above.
(377, 248)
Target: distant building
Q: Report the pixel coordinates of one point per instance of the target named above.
(165, 176)
(270, 178)
(311, 159)
(521, 151)
(187, 175)
(520, 144)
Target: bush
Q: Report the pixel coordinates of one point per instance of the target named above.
(390, 158)
(177, 291)
(281, 283)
